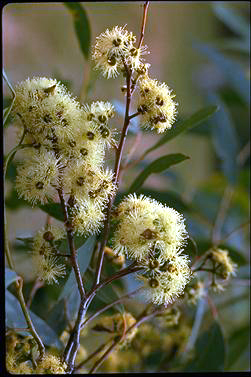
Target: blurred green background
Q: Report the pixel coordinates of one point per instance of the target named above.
(201, 50)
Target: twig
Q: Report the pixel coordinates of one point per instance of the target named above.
(146, 4)
(224, 206)
(19, 281)
(99, 349)
(73, 343)
(116, 178)
(71, 245)
(233, 231)
(244, 154)
(37, 284)
(19, 285)
(142, 318)
(97, 313)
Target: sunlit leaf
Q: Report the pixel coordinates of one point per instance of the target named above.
(82, 26)
(184, 125)
(157, 166)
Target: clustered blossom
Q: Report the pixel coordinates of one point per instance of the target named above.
(153, 235)
(115, 53)
(44, 254)
(115, 50)
(65, 144)
(67, 150)
(156, 105)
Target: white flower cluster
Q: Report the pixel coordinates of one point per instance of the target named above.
(114, 50)
(67, 150)
(154, 235)
(115, 53)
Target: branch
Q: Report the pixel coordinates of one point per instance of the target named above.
(71, 245)
(106, 307)
(19, 286)
(143, 24)
(142, 318)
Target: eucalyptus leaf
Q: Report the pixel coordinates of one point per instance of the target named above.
(232, 19)
(236, 255)
(157, 166)
(10, 276)
(209, 351)
(184, 125)
(70, 291)
(170, 198)
(54, 210)
(82, 26)
(231, 70)
(225, 139)
(238, 343)
(15, 318)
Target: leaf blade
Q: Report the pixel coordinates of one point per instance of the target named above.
(15, 318)
(82, 27)
(157, 166)
(184, 125)
(210, 351)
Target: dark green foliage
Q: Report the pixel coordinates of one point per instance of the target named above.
(157, 166)
(82, 27)
(209, 351)
(184, 125)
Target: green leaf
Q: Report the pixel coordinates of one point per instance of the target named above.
(157, 166)
(232, 19)
(238, 343)
(56, 317)
(225, 139)
(54, 210)
(15, 318)
(209, 351)
(236, 256)
(10, 276)
(82, 27)
(231, 70)
(170, 198)
(70, 291)
(184, 125)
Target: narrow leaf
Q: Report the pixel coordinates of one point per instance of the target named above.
(184, 125)
(238, 343)
(70, 291)
(10, 276)
(210, 351)
(225, 139)
(157, 166)
(232, 19)
(231, 70)
(54, 210)
(15, 318)
(82, 27)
